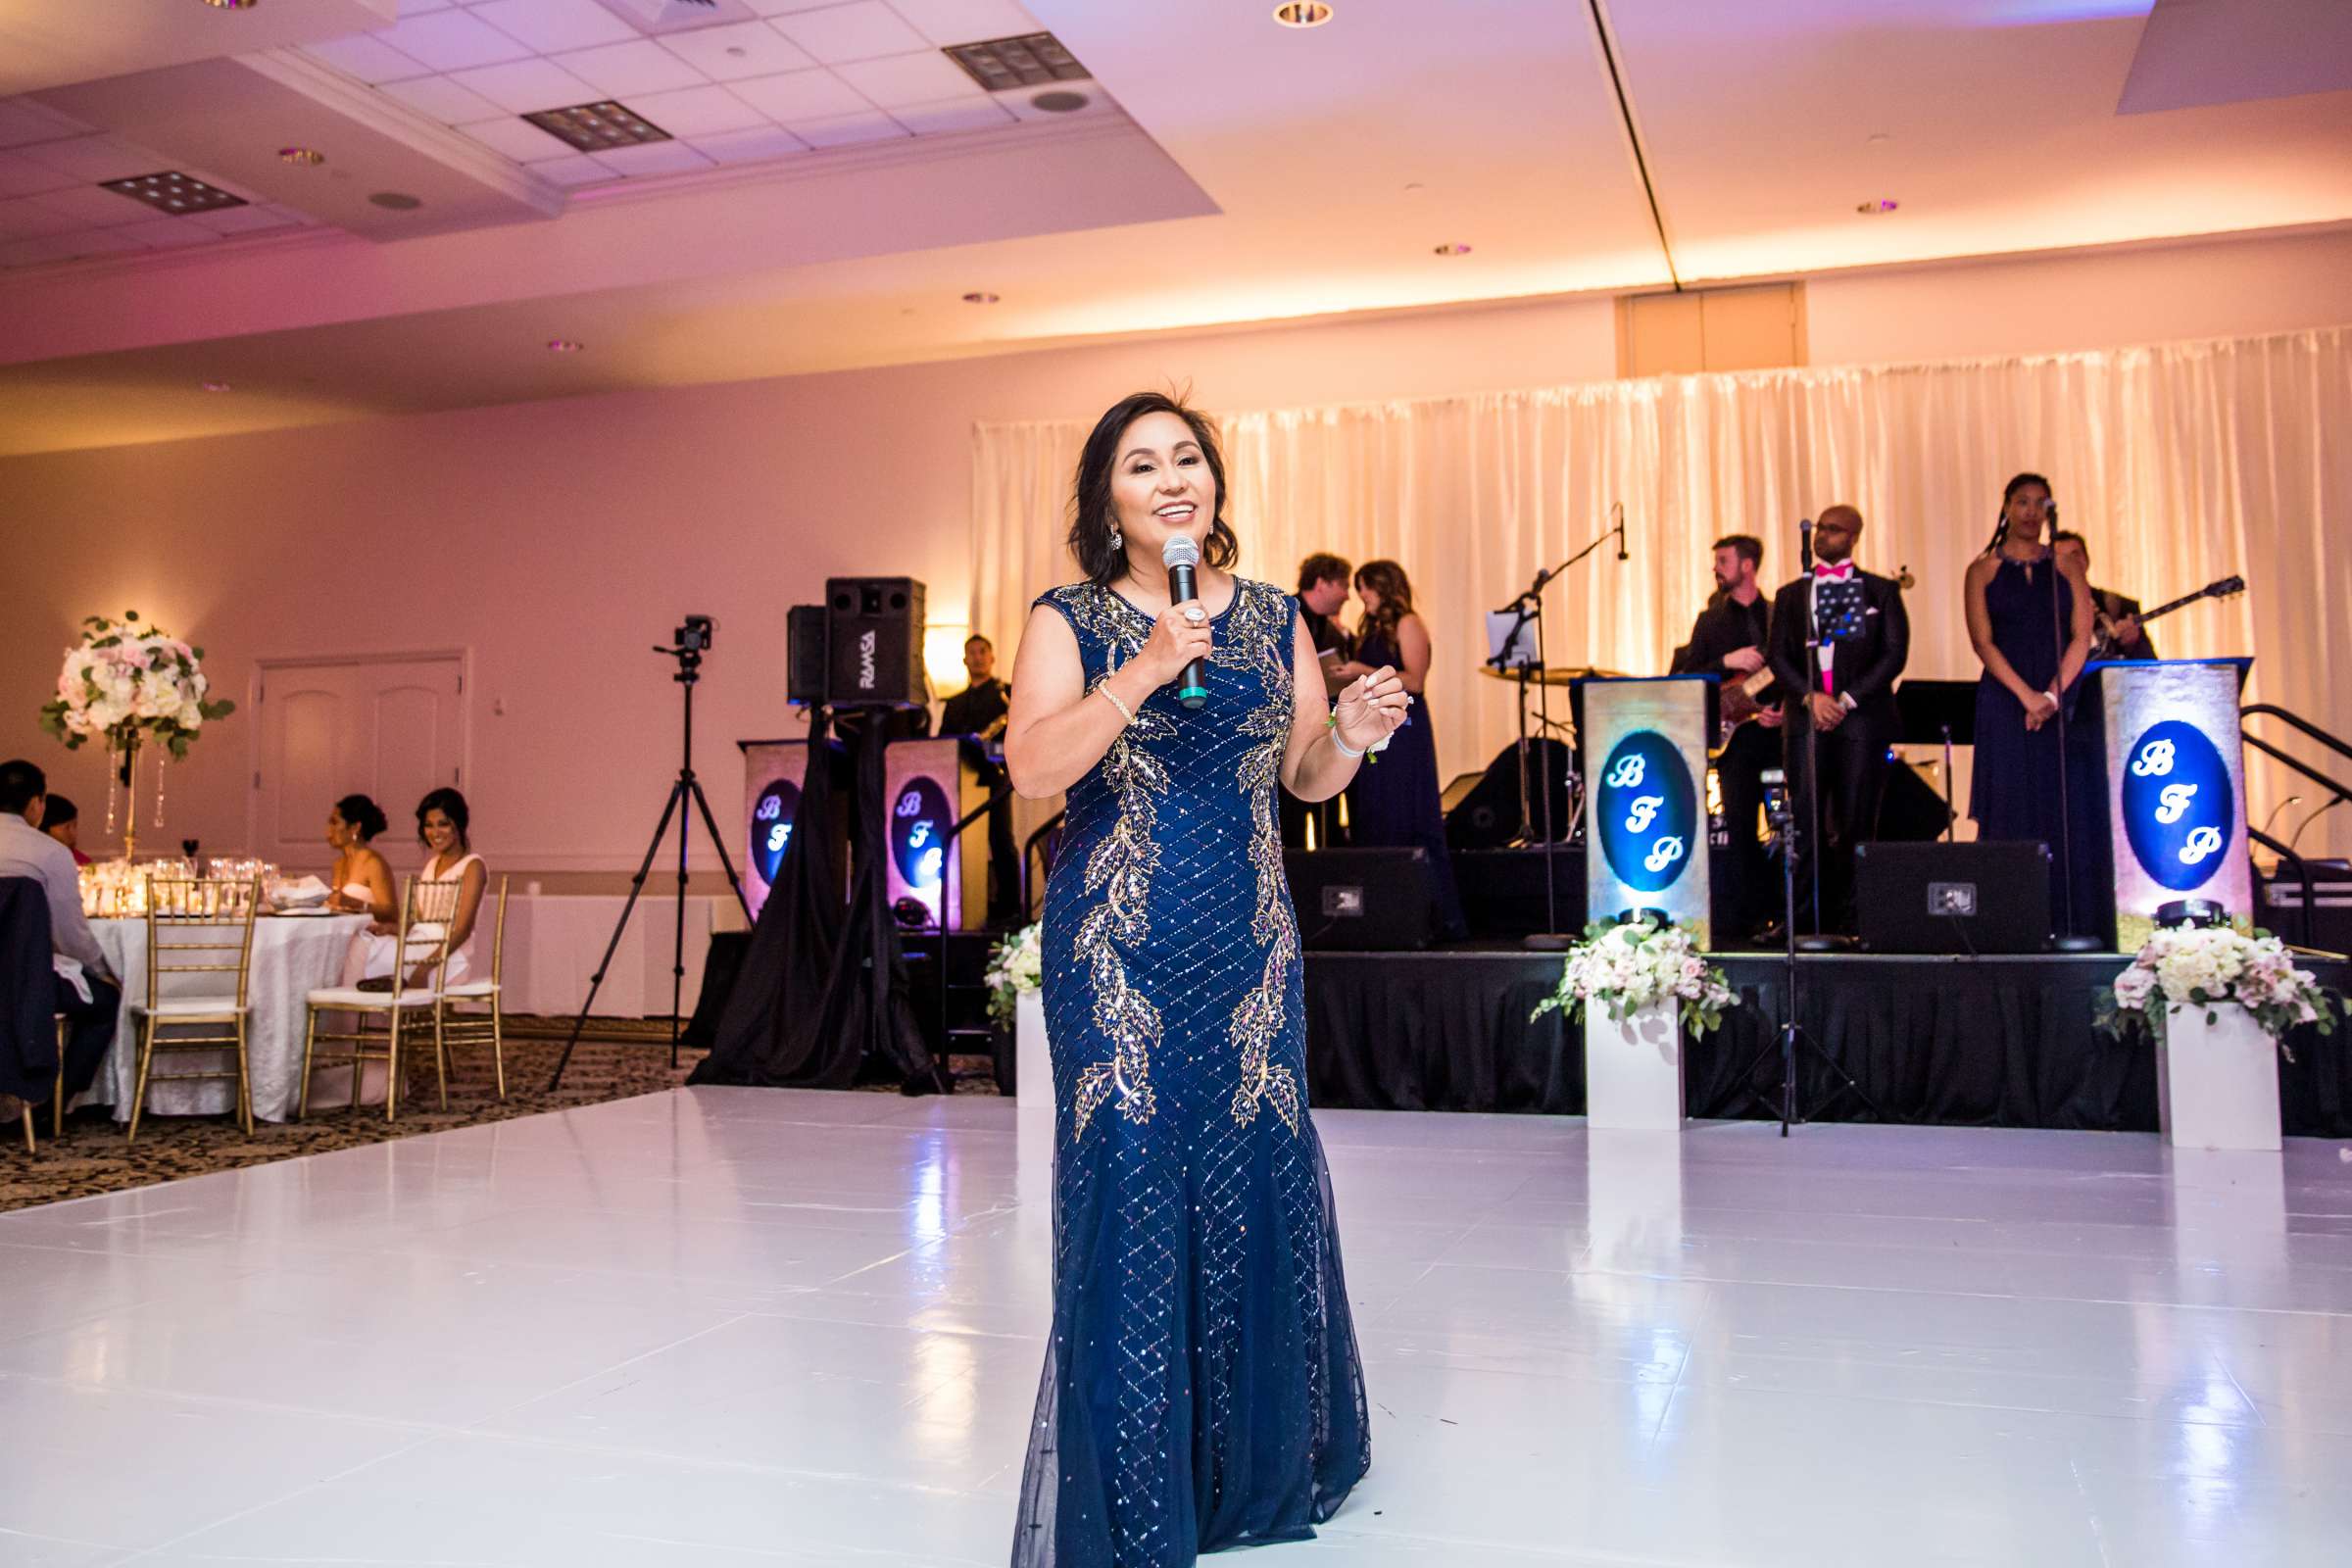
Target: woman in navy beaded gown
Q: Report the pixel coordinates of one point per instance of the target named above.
(1202, 1388)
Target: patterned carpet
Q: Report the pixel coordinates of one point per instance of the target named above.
(621, 1058)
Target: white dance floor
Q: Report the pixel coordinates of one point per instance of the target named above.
(751, 1326)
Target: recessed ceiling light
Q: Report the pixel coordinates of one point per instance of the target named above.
(1873, 208)
(216, 386)
(1454, 248)
(1032, 60)
(1302, 14)
(232, 5)
(174, 193)
(979, 296)
(307, 157)
(1059, 101)
(396, 201)
(598, 127)
(561, 345)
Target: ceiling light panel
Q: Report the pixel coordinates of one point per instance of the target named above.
(1032, 60)
(598, 127)
(175, 194)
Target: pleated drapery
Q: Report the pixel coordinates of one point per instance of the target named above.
(2181, 463)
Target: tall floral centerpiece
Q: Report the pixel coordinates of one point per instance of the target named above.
(1651, 982)
(128, 684)
(2218, 1004)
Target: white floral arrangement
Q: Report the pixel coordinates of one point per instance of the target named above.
(1016, 965)
(126, 684)
(1630, 966)
(2214, 966)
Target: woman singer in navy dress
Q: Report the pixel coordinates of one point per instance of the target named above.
(1397, 801)
(2030, 619)
(1201, 1389)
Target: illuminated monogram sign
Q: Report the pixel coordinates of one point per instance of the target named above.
(917, 821)
(771, 828)
(1649, 811)
(2180, 812)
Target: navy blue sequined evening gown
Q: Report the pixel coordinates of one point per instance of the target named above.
(1201, 1389)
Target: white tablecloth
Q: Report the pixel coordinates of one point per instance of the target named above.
(293, 956)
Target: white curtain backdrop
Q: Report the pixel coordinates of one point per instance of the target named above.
(2180, 464)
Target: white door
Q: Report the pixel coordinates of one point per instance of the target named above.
(388, 728)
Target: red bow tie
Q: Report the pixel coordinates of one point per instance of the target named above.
(1836, 574)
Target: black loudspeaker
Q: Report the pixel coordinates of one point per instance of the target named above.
(1364, 901)
(1503, 890)
(1953, 897)
(1486, 817)
(874, 642)
(1910, 810)
(805, 655)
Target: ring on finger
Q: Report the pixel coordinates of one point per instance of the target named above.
(1194, 614)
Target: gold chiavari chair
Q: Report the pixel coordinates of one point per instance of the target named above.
(201, 910)
(476, 1028)
(427, 910)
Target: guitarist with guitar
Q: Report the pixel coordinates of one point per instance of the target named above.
(2118, 627)
(1728, 640)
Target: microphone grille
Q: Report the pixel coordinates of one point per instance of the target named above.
(1180, 551)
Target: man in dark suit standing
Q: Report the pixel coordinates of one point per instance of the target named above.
(978, 711)
(1839, 638)
(1323, 585)
(1728, 641)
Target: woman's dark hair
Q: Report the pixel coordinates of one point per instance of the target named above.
(1092, 516)
(450, 803)
(362, 815)
(2001, 529)
(1387, 579)
(58, 812)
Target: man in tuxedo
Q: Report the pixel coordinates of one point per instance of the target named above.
(1728, 639)
(1839, 638)
(2132, 640)
(1323, 585)
(979, 710)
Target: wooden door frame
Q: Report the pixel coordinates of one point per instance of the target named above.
(264, 665)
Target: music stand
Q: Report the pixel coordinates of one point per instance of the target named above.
(1939, 713)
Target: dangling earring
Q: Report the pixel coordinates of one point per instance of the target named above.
(1118, 540)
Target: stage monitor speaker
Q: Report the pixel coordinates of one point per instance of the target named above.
(1364, 901)
(805, 655)
(874, 642)
(1953, 897)
(928, 787)
(1486, 815)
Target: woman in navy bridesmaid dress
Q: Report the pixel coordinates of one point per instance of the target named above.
(1202, 1388)
(1395, 802)
(2030, 619)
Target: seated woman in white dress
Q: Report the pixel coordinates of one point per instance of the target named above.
(361, 879)
(441, 826)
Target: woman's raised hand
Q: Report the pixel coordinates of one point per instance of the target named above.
(1371, 708)
(1178, 637)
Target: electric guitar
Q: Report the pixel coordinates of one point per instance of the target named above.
(2104, 642)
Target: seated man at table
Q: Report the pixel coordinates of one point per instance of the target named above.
(61, 819)
(86, 990)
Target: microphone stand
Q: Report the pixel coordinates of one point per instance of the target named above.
(2071, 939)
(1529, 606)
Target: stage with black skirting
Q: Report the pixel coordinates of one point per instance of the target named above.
(2005, 1042)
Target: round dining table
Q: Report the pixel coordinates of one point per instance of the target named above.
(293, 955)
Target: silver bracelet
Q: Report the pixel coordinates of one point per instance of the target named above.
(1125, 711)
(1344, 749)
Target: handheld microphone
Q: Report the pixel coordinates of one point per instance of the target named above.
(1181, 556)
(1804, 544)
(2050, 512)
(1617, 509)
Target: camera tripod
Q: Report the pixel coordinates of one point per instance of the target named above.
(692, 640)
